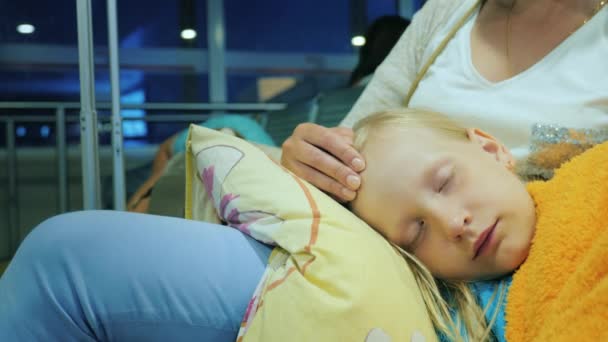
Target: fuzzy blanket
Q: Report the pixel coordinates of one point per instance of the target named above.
(560, 293)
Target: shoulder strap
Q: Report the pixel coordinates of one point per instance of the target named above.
(438, 51)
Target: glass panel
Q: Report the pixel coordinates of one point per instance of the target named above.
(287, 50)
(278, 51)
(52, 22)
(154, 23)
(378, 8)
(288, 26)
(38, 62)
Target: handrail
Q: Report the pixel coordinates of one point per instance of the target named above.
(75, 118)
(150, 106)
(89, 137)
(118, 181)
(60, 118)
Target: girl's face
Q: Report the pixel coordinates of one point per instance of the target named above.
(454, 204)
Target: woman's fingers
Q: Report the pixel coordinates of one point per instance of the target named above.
(327, 164)
(325, 183)
(345, 132)
(338, 145)
(357, 162)
(324, 157)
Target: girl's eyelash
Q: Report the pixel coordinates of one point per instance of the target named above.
(445, 182)
(421, 228)
(443, 185)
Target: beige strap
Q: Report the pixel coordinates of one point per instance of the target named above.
(437, 51)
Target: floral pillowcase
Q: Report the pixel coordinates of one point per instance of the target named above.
(330, 278)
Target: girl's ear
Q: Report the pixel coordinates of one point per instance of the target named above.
(492, 146)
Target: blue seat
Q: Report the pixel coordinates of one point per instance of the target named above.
(280, 124)
(333, 106)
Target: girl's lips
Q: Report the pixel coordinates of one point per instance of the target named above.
(483, 240)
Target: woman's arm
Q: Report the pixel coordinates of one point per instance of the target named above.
(394, 77)
(165, 152)
(139, 201)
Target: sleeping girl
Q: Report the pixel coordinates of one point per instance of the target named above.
(449, 199)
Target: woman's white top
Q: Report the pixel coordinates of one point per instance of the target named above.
(568, 87)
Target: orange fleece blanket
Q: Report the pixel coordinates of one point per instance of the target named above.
(560, 293)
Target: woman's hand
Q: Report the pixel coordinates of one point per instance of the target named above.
(326, 158)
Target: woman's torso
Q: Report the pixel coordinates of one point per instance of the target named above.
(568, 87)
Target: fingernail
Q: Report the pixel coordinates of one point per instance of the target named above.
(353, 182)
(348, 194)
(358, 164)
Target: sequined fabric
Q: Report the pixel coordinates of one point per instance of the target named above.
(551, 146)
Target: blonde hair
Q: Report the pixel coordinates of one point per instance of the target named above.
(451, 305)
(405, 119)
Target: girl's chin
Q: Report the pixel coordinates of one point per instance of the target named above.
(515, 258)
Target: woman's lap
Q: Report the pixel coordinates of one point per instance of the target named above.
(104, 275)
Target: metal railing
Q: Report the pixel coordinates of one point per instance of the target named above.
(60, 119)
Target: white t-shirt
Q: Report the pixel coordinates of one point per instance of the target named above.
(568, 87)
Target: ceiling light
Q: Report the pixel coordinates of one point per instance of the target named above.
(26, 28)
(358, 41)
(188, 34)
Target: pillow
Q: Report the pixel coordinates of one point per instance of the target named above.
(331, 277)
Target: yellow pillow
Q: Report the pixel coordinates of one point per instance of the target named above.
(340, 279)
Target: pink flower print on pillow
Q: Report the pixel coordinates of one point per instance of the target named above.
(217, 164)
(214, 165)
(257, 224)
(207, 179)
(224, 203)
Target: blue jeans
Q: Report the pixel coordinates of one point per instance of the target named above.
(115, 276)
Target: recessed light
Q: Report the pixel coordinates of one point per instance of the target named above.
(358, 41)
(26, 28)
(188, 34)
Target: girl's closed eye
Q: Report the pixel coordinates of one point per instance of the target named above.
(444, 178)
(415, 234)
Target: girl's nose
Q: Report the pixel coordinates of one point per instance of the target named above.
(455, 223)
